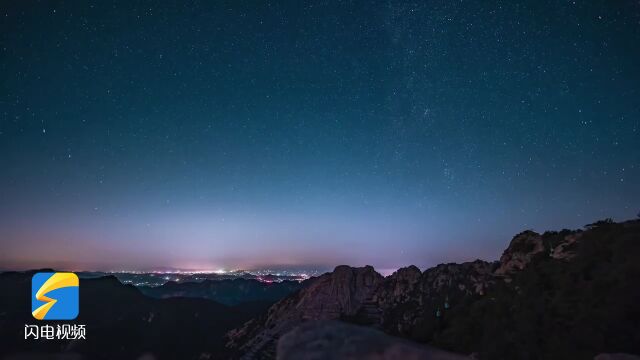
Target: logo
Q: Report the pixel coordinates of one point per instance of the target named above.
(55, 296)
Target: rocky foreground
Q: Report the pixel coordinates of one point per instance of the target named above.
(330, 340)
(557, 295)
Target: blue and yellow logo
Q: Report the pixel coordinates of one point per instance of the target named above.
(55, 296)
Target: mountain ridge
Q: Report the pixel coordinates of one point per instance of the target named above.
(438, 305)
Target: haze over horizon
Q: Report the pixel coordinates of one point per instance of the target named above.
(242, 135)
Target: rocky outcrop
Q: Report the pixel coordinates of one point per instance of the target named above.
(470, 277)
(397, 304)
(340, 293)
(520, 252)
(403, 281)
(408, 298)
(330, 296)
(565, 250)
(398, 287)
(334, 340)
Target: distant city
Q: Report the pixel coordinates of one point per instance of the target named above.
(160, 277)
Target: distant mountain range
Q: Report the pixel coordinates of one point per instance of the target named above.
(122, 323)
(228, 292)
(571, 294)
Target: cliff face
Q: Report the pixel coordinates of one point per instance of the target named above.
(328, 297)
(434, 305)
(397, 304)
(340, 293)
(520, 252)
(408, 299)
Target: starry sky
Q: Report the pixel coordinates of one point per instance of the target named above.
(228, 134)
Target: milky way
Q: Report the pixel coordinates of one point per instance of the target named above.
(240, 134)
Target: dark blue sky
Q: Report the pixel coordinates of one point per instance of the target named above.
(239, 134)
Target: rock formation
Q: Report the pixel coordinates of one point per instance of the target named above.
(330, 296)
(334, 340)
(520, 252)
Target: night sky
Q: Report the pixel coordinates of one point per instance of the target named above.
(217, 134)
